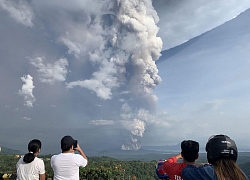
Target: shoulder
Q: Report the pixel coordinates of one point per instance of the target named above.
(78, 157)
(20, 161)
(171, 159)
(192, 172)
(56, 155)
(38, 160)
(80, 160)
(207, 168)
(53, 156)
(65, 155)
(171, 165)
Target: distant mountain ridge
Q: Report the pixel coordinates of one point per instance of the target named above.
(5, 150)
(166, 148)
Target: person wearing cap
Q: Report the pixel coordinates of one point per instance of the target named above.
(222, 154)
(189, 153)
(66, 164)
(30, 166)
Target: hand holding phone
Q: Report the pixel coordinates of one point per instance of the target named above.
(75, 144)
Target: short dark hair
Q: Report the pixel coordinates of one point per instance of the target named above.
(189, 150)
(67, 142)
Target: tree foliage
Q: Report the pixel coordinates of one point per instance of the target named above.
(101, 168)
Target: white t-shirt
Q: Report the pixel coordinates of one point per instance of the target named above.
(30, 171)
(66, 166)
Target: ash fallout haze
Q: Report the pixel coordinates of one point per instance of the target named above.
(123, 73)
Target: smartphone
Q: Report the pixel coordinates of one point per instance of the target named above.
(75, 144)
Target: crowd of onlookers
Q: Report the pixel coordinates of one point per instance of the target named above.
(65, 165)
(221, 163)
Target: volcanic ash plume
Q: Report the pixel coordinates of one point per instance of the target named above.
(136, 38)
(135, 123)
(125, 50)
(124, 57)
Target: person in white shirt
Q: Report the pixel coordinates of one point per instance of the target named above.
(66, 164)
(29, 167)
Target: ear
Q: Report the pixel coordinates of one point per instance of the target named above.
(197, 156)
(39, 150)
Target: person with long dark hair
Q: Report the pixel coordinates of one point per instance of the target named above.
(222, 154)
(29, 166)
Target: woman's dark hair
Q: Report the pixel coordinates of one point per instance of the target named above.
(226, 168)
(33, 147)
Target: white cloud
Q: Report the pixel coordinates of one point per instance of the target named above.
(51, 73)
(27, 90)
(27, 118)
(94, 85)
(20, 11)
(74, 47)
(102, 82)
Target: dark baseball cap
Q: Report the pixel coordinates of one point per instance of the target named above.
(67, 142)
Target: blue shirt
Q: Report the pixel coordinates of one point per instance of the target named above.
(205, 172)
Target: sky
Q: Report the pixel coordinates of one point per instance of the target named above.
(207, 85)
(122, 74)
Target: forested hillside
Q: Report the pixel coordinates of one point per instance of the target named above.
(102, 168)
(5, 150)
(105, 168)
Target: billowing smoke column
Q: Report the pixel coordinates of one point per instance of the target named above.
(137, 46)
(121, 43)
(135, 37)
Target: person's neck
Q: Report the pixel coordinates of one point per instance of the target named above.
(69, 151)
(190, 163)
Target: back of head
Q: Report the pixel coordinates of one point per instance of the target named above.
(189, 150)
(33, 147)
(221, 146)
(67, 142)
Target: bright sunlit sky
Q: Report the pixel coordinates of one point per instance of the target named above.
(90, 72)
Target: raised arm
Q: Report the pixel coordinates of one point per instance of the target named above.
(78, 148)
